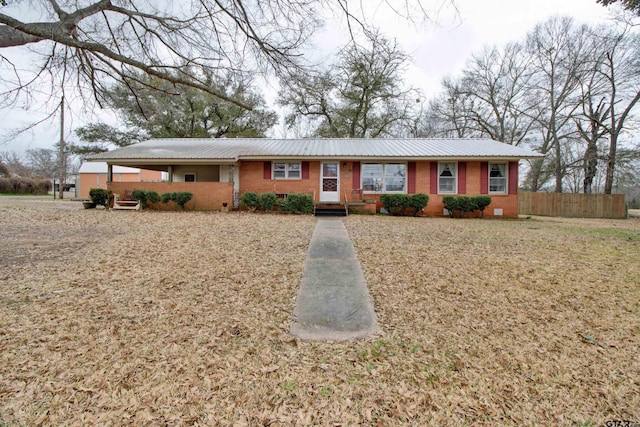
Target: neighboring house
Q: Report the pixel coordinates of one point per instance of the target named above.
(218, 171)
(95, 175)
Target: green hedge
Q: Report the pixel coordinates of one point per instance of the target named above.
(250, 200)
(180, 198)
(459, 206)
(145, 197)
(101, 197)
(399, 204)
(296, 203)
(267, 201)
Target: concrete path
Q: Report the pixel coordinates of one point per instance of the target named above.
(333, 302)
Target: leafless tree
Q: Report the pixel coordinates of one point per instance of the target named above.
(619, 67)
(447, 115)
(559, 57)
(43, 163)
(96, 42)
(361, 95)
(14, 163)
(497, 80)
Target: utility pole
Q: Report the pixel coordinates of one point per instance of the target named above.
(62, 164)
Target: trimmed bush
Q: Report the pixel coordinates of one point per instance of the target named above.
(267, 201)
(459, 206)
(101, 197)
(395, 204)
(296, 203)
(180, 198)
(418, 202)
(398, 204)
(481, 203)
(250, 200)
(145, 197)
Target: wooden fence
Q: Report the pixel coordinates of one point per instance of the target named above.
(573, 205)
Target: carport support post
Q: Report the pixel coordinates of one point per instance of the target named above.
(109, 173)
(170, 173)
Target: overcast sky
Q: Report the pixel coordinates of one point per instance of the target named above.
(438, 49)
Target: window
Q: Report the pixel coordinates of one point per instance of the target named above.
(497, 178)
(383, 177)
(447, 178)
(286, 170)
(189, 177)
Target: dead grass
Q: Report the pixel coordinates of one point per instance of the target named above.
(155, 318)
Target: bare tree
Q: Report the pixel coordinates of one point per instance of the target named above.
(362, 95)
(43, 163)
(14, 163)
(620, 69)
(90, 44)
(559, 57)
(446, 115)
(497, 80)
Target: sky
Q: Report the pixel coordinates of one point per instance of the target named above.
(438, 48)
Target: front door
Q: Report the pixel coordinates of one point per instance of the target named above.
(330, 182)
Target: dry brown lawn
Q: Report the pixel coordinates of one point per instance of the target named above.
(163, 318)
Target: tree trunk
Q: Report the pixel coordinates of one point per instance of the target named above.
(611, 163)
(61, 156)
(590, 166)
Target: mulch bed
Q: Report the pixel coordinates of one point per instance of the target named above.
(182, 318)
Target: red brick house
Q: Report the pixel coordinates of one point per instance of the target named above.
(218, 171)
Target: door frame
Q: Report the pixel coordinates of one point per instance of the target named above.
(329, 196)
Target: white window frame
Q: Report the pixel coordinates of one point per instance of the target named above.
(505, 177)
(441, 166)
(287, 170)
(184, 176)
(382, 183)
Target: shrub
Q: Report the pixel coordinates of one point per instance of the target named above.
(463, 204)
(418, 202)
(481, 203)
(18, 185)
(145, 197)
(250, 200)
(395, 204)
(267, 201)
(180, 198)
(297, 203)
(466, 204)
(101, 197)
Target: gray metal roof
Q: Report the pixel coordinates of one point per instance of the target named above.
(234, 149)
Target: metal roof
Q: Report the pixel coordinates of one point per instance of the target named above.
(234, 149)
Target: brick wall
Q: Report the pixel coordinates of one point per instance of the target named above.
(508, 202)
(99, 180)
(252, 180)
(207, 196)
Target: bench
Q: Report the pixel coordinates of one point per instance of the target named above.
(126, 202)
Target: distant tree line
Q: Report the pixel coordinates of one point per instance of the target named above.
(568, 91)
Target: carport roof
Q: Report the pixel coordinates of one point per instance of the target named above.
(234, 149)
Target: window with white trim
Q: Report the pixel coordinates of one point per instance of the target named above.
(447, 178)
(383, 177)
(189, 177)
(288, 170)
(498, 178)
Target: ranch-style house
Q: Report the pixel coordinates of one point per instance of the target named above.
(353, 171)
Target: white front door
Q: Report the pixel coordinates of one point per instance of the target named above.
(330, 182)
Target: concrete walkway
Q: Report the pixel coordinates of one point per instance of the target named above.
(333, 302)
